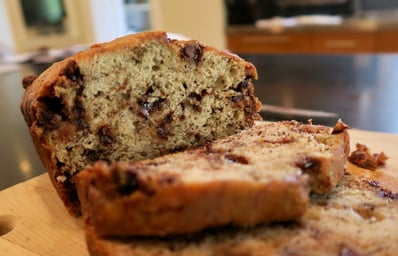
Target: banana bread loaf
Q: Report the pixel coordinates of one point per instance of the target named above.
(137, 97)
(258, 175)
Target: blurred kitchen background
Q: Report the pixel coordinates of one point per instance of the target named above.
(318, 59)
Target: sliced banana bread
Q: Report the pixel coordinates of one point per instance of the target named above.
(354, 219)
(137, 97)
(258, 175)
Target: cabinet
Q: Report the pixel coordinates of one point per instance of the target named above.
(338, 40)
(342, 42)
(273, 43)
(386, 40)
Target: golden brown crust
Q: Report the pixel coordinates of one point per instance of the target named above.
(256, 176)
(60, 106)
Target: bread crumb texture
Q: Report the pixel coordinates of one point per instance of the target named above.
(140, 102)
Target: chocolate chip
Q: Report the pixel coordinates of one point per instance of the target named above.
(52, 112)
(309, 164)
(242, 86)
(237, 98)
(28, 80)
(149, 91)
(194, 101)
(387, 194)
(381, 192)
(52, 104)
(236, 159)
(105, 135)
(78, 114)
(128, 182)
(183, 105)
(77, 111)
(49, 120)
(197, 108)
(193, 51)
(144, 109)
(92, 155)
(198, 137)
(162, 129)
(195, 96)
(148, 108)
(72, 71)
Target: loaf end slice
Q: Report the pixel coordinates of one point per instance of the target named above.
(137, 97)
(253, 177)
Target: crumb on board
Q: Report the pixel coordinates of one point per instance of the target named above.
(362, 157)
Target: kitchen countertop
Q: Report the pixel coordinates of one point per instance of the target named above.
(18, 157)
(361, 89)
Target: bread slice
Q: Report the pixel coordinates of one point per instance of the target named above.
(353, 219)
(259, 175)
(137, 97)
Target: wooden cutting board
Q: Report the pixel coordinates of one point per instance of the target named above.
(33, 220)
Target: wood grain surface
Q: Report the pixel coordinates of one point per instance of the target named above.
(33, 220)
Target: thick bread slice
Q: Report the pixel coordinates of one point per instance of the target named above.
(354, 219)
(259, 175)
(137, 97)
